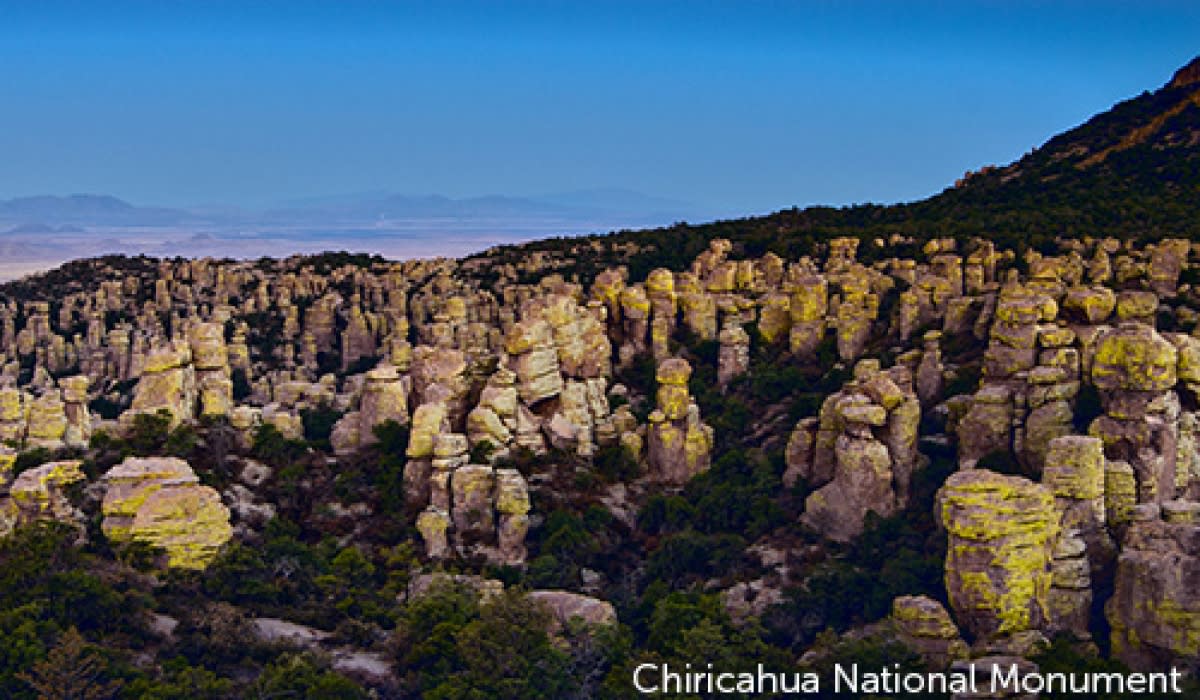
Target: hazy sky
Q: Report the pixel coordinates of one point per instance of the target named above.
(749, 106)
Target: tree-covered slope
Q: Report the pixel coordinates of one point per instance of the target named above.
(1133, 171)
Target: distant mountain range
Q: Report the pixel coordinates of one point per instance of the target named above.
(55, 229)
(615, 207)
(28, 213)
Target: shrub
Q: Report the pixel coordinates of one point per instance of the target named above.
(616, 463)
(148, 435)
(318, 424)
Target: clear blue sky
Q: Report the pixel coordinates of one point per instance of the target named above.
(748, 106)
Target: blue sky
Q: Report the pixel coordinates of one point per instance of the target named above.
(743, 106)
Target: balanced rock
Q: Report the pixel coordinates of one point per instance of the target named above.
(679, 444)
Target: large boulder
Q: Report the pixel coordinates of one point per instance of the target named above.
(1002, 531)
(160, 502)
(565, 607)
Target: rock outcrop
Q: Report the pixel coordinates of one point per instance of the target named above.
(1155, 607)
(679, 445)
(40, 493)
(160, 502)
(1134, 369)
(1002, 531)
(861, 452)
(473, 510)
(924, 626)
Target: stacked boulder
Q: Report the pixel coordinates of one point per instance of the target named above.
(552, 385)
(860, 453)
(733, 359)
(582, 411)
(530, 344)
(210, 361)
(1075, 475)
(1031, 379)
(493, 421)
(473, 509)
(167, 383)
(679, 445)
(808, 310)
(857, 310)
(1134, 368)
(75, 411)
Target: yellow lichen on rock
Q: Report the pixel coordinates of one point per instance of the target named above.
(427, 422)
(160, 502)
(1154, 611)
(1002, 531)
(7, 459)
(774, 320)
(1075, 467)
(924, 626)
(38, 485)
(1134, 357)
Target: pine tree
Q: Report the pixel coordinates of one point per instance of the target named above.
(70, 671)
